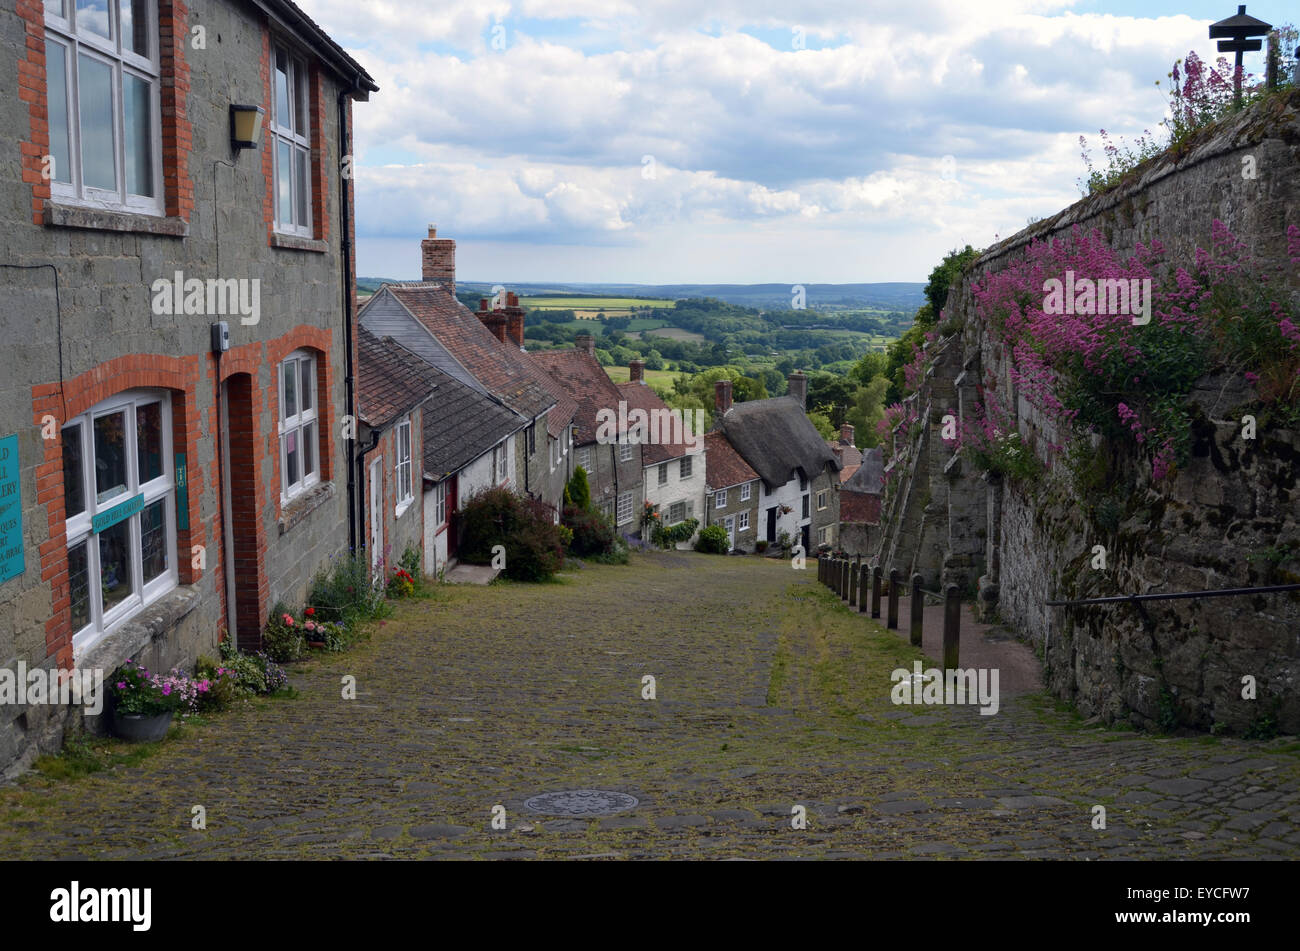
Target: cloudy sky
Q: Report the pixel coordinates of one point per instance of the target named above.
(712, 141)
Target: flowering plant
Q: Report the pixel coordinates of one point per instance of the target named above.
(135, 691)
(401, 584)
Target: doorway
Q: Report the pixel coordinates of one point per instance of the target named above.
(376, 539)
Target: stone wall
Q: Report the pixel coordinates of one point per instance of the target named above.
(1219, 522)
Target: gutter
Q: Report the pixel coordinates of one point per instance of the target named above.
(345, 218)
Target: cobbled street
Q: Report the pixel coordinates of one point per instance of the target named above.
(769, 695)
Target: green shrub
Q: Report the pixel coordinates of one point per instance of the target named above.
(343, 591)
(524, 527)
(592, 532)
(713, 540)
(578, 492)
(668, 536)
(282, 637)
(223, 684)
(410, 560)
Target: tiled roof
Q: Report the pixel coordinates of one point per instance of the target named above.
(641, 396)
(847, 473)
(585, 380)
(391, 380)
(859, 507)
(777, 438)
(724, 465)
(500, 367)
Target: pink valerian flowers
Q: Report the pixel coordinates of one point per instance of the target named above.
(1046, 352)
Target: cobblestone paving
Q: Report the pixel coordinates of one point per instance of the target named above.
(769, 695)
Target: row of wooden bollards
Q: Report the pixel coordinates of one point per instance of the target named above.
(847, 577)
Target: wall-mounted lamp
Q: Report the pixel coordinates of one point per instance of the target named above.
(245, 126)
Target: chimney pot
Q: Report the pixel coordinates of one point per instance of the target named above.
(798, 388)
(722, 396)
(636, 371)
(846, 434)
(438, 260)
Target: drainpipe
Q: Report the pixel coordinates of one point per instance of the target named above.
(345, 216)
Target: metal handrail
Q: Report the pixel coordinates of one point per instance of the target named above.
(1174, 596)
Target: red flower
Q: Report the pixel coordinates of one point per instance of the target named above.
(309, 612)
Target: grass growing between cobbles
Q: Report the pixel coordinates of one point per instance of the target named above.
(769, 695)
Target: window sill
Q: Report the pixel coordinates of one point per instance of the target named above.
(146, 626)
(298, 508)
(290, 242)
(60, 215)
(403, 507)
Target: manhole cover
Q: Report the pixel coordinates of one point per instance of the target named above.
(580, 802)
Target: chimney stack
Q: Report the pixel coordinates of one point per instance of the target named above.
(585, 342)
(636, 371)
(799, 388)
(438, 260)
(722, 396)
(514, 320)
(493, 320)
(846, 434)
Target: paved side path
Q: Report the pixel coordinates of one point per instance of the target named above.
(770, 695)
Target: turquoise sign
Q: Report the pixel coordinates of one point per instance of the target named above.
(117, 513)
(12, 563)
(182, 494)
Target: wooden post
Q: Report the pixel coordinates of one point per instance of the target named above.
(952, 628)
(918, 610)
(853, 583)
(837, 571)
(821, 568)
(864, 572)
(844, 579)
(875, 591)
(893, 600)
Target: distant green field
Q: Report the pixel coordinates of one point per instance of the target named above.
(591, 306)
(654, 377)
(673, 333)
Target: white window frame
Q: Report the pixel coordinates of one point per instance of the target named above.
(281, 129)
(584, 458)
(623, 510)
(78, 527)
(500, 464)
(686, 467)
(805, 508)
(63, 31)
(298, 423)
(742, 521)
(625, 452)
(720, 499)
(440, 504)
(821, 500)
(824, 535)
(663, 473)
(402, 468)
(685, 513)
(745, 491)
(554, 447)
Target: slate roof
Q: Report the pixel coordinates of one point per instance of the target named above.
(641, 396)
(776, 437)
(500, 367)
(724, 465)
(391, 381)
(870, 476)
(581, 377)
(460, 425)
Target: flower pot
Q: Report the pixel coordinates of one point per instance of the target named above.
(140, 727)
(316, 645)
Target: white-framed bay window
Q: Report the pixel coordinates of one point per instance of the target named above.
(402, 470)
(103, 93)
(120, 503)
(290, 141)
(299, 437)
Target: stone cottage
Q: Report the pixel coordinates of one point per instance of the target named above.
(175, 418)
